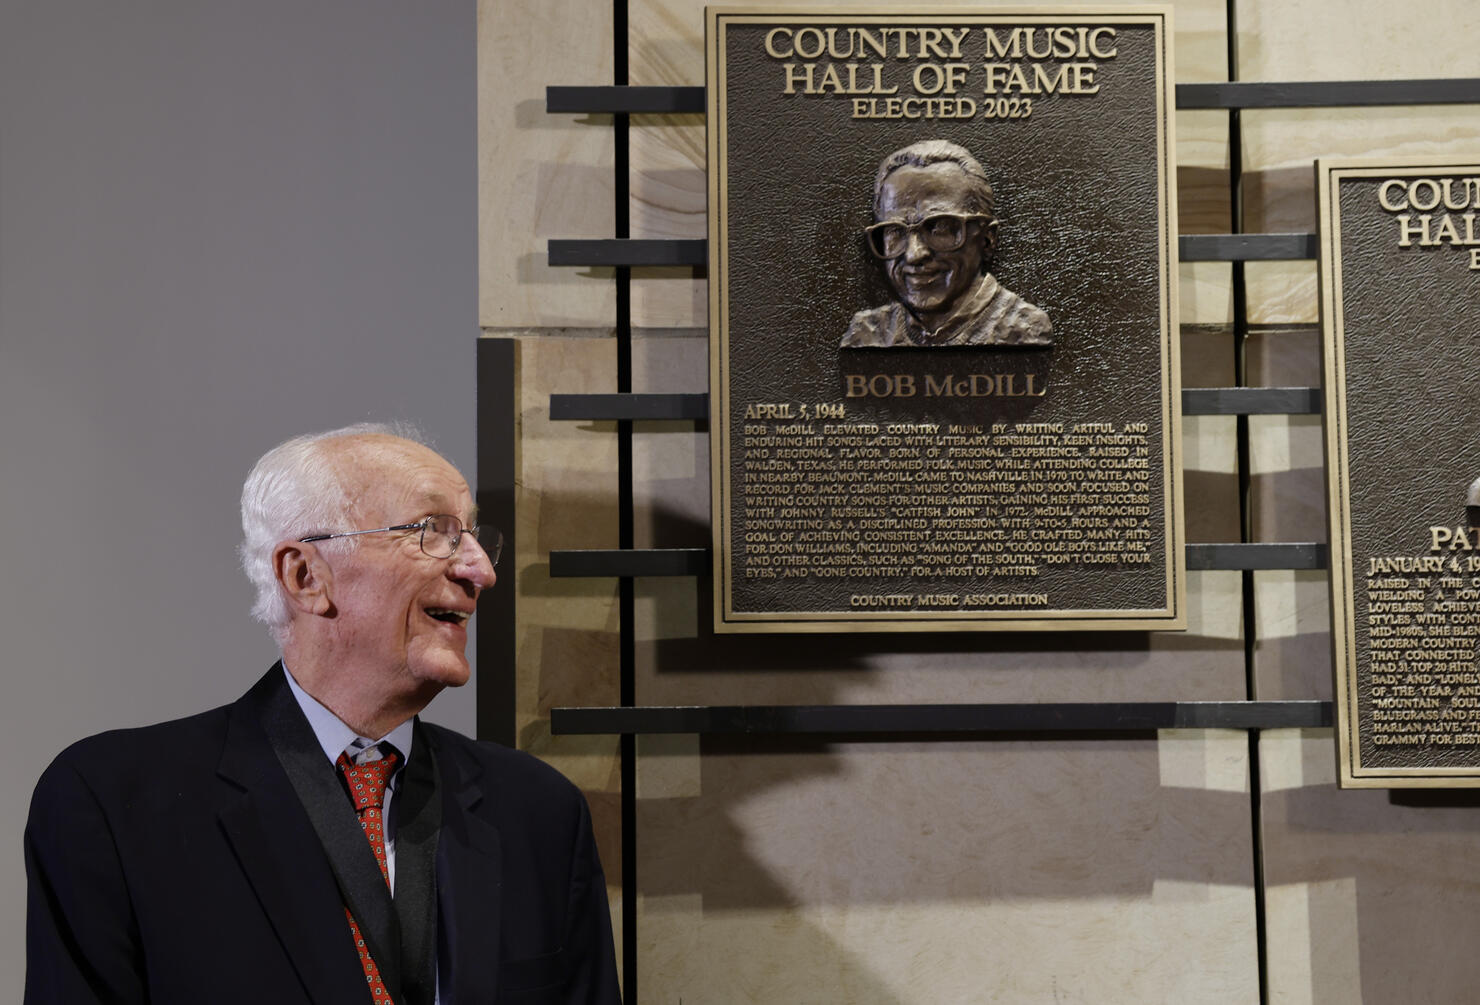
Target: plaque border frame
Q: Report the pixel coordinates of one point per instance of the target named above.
(1172, 617)
(1352, 774)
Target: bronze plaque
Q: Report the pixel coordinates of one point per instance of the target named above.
(1400, 307)
(942, 263)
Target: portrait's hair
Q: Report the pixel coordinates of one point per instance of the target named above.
(294, 491)
(928, 152)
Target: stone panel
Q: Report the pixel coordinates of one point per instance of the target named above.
(1370, 898)
(1363, 902)
(669, 192)
(866, 874)
(1325, 40)
(567, 648)
(541, 176)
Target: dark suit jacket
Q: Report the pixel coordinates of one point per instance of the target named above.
(175, 863)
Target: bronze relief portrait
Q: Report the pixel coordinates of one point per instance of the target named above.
(934, 236)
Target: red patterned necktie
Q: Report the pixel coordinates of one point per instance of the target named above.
(366, 784)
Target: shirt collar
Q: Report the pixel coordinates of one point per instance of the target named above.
(335, 737)
(953, 328)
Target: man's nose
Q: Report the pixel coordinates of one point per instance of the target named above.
(471, 562)
(915, 248)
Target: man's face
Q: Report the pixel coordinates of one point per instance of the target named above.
(930, 281)
(400, 618)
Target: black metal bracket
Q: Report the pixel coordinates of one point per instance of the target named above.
(628, 99)
(625, 562)
(950, 720)
(1251, 401)
(689, 99)
(634, 407)
(630, 252)
(1259, 555)
(1246, 247)
(1329, 93)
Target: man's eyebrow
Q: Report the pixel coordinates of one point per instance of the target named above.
(443, 504)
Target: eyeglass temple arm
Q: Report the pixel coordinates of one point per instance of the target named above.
(357, 533)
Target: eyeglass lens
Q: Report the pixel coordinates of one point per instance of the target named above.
(945, 232)
(440, 536)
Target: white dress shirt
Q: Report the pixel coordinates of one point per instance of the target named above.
(337, 738)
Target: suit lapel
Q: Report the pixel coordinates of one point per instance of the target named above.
(281, 855)
(418, 821)
(469, 890)
(333, 819)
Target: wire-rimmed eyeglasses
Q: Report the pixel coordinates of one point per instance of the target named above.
(940, 232)
(441, 533)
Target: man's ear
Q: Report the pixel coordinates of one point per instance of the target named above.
(989, 243)
(306, 579)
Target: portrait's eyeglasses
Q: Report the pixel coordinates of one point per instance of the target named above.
(941, 232)
(440, 536)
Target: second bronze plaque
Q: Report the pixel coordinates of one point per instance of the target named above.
(944, 388)
(1400, 291)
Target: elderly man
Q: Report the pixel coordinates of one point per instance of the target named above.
(935, 234)
(314, 842)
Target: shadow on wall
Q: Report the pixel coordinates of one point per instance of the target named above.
(915, 812)
(761, 847)
(1378, 883)
(780, 822)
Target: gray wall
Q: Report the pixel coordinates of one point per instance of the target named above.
(220, 224)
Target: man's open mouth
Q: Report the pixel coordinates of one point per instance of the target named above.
(448, 616)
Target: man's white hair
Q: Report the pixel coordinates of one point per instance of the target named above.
(295, 491)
